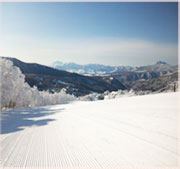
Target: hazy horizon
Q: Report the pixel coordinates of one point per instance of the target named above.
(107, 33)
(50, 64)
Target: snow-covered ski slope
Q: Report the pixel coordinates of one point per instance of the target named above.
(138, 131)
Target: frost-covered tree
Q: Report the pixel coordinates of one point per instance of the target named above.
(112, 95)
(15, 92)
(12, 83)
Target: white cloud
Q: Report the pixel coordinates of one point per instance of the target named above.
(109, 51)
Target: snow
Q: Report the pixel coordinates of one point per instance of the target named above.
(137, 131)
(62, 82)
(39, 78)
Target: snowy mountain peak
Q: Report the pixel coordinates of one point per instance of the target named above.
(89, 69)
(57, 63)
(103, 70)
(161, 63)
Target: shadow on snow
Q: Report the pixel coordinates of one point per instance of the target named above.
(15, 120)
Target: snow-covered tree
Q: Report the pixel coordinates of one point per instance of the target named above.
(112, 95)
(15, 92)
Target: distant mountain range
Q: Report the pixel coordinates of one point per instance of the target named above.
(102, 70)
(136, 76)
(158, 84)
(89, 69)
(152, 77)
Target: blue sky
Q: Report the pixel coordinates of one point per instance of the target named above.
(86, 32)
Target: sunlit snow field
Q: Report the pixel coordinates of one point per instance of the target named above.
(137, 131)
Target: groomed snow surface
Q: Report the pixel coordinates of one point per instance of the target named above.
(138, 131)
